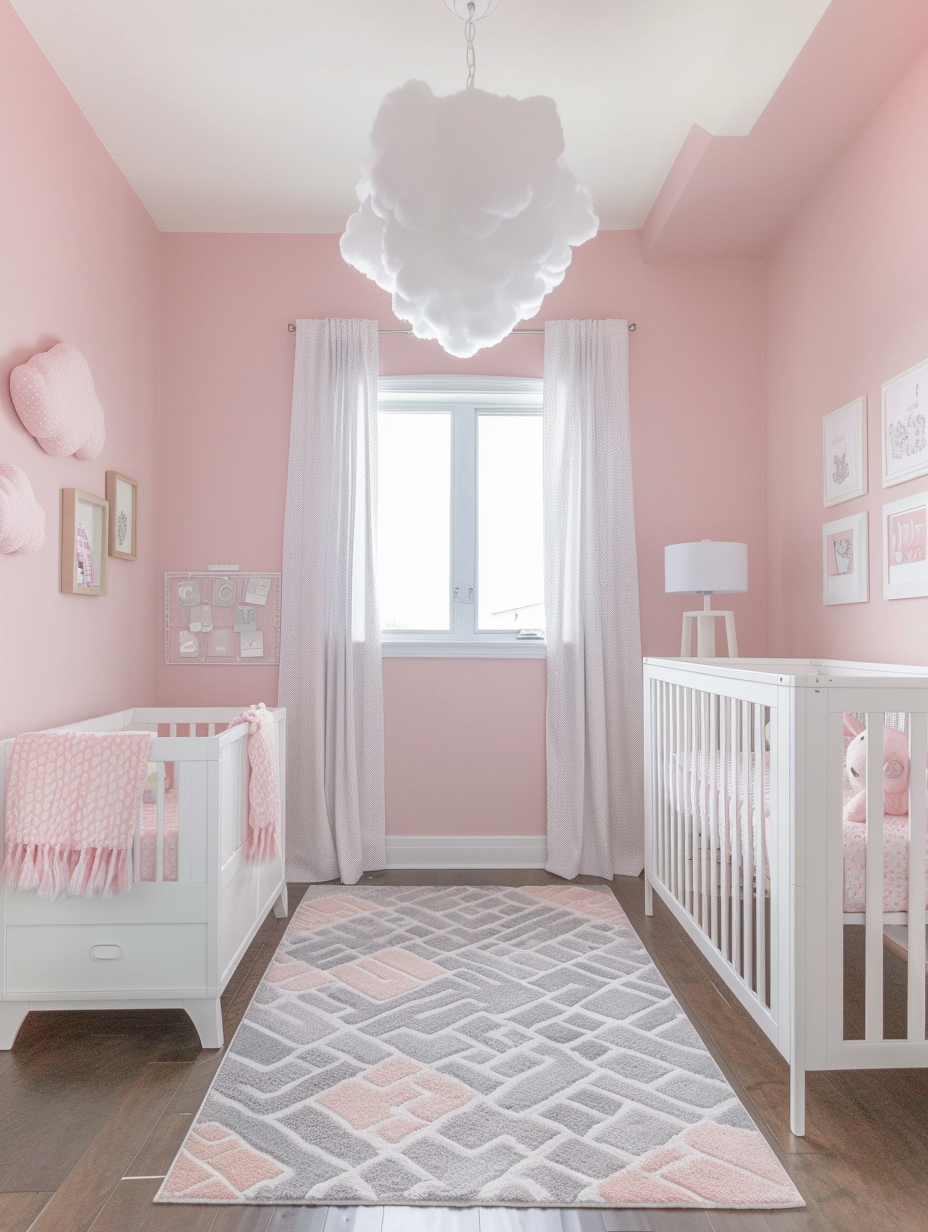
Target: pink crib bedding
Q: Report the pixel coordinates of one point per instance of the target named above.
(149, 834)
(695, 793)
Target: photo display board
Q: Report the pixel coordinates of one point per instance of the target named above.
(222, 619)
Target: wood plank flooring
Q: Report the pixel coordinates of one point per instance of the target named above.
(94, 1105)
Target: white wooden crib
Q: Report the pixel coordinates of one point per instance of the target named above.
(175, 938)
(745, 843)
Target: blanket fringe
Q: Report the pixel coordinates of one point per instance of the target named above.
(53, 871)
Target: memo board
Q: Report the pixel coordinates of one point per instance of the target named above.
(222, 619)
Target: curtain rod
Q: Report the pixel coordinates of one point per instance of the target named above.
(292, 328)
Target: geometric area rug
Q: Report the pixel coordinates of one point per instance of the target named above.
(470, 1046)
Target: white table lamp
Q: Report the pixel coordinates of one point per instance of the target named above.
(709, 567)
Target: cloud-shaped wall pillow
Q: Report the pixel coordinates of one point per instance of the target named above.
(54, 397)
(22, 518)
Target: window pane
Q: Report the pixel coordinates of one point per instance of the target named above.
(414, 519)
(510, 577)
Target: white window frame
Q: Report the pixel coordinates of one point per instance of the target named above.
(464, 397)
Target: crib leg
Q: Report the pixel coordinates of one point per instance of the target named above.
(648, 896)
(797, 1101)
(280, 906)
(207, 1018)
(12, 1015)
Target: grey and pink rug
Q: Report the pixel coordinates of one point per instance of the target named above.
(470, 1046)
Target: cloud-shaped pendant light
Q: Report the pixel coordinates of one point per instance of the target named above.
(468, 212)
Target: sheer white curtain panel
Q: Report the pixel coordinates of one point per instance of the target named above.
(594, 707)
(331, 678)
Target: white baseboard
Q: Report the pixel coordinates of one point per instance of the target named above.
(467, 851)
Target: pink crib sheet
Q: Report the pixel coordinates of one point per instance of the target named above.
(895, 831)
(149, 834)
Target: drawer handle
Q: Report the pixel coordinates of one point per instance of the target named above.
(105, 953)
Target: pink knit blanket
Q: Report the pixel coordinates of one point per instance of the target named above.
(72, 802)
(263, 783)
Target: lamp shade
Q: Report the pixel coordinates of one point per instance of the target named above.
(707, 567)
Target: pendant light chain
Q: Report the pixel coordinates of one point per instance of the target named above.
(469, 32)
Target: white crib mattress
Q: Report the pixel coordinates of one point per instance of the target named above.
(895, 832)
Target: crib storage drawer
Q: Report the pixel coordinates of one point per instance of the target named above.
(119, 959)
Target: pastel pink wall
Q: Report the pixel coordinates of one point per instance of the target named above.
(847, 309)
(465, 739)
(80, 262)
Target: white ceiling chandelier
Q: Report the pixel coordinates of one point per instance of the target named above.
(468, 212)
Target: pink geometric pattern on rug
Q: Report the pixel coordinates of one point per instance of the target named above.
(217, 1164)
(575, 898)
(724, 1165)
(294, 975)
(324, 913)
(470, 1046)
(396, 1097)
(388, 974)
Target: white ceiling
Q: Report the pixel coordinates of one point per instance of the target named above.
(251, 115)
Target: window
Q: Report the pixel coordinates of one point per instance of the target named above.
(460, 515)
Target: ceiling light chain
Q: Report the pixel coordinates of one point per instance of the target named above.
(469, 32)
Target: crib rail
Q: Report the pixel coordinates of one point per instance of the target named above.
(747, 844)
(168, 844)
(708, 770)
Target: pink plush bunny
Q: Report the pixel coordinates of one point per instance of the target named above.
(895, 771)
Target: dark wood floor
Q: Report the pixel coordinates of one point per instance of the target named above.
(93, 1107)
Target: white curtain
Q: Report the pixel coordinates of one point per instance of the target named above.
(594, 709)
(331, 677)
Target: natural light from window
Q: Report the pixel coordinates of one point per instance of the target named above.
(414, 520)
(510, 571)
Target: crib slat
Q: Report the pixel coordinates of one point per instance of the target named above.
(918, 755)
(735, 840)
(713, 820)
(705, 756)
(760, 899)
(159, 825)
(137, 843)
(725, 824)
(747, 879)
(688, 787)
(673, 770)
(873, 942)
(679, 784)
(663, 743)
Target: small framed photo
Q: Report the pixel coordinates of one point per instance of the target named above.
(845, 561)
(905, 562)
(844, 452)
(123, 496)
(84, 531)
(905, 447)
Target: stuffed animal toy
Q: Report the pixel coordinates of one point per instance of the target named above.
(895, 771)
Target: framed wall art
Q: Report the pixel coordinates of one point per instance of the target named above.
(845, 561)
(122, 493)
(905, 447)
(905, 547)
(84, 535)
(844, 452)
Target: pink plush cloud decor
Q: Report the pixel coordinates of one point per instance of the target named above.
(54, 397)
(22, 519)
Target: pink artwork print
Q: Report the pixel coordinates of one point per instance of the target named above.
(907, 536)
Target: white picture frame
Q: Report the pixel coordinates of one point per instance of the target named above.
(905, 442)
(905, 547)
(844, 452)
(846, 560)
